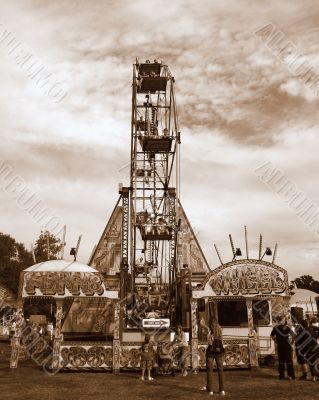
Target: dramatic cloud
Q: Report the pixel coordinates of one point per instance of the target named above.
(239, 106)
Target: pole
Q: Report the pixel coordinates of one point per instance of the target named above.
(48, 247)
(260, 246)
(77, 247)
(232, 245)
(246, 240)
(63, 242)
(221, 261)
(33, 254)
(313, 313)
(275, 253)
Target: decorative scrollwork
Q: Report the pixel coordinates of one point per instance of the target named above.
(64, 356)
(108, 357)
(202, 356)
(233, 355)
(78, 356)
(125, 357)
(95, 356)
(244, 354)
(130, 357)
(135, 357)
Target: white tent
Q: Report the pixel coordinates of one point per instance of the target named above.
(305, 299)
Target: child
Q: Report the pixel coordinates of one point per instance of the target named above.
(147, 358)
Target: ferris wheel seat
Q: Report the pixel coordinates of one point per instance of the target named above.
(156, 235)
(156, 144)
(155, 231)
(141, 270)
(145, 69)
(152, 84)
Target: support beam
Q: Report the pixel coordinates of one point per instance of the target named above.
(232, 245)
(220, 259)
(275, 253)
(57, 335)
(246, 241)
(116, 337)
(252, 345)
(260, 246)
(16, 340)
(125, 194)
(194, 336)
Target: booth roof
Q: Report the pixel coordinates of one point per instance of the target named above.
(302, 296)
(60, 266)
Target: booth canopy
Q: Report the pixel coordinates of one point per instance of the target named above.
(60, 266)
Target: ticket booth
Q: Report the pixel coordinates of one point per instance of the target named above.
(85, 317)
(247, 297)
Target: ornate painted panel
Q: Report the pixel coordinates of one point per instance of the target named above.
(189, 250)
(236, 353)
(84, 355)
(90, 315)
(106, 256)
(131, 355)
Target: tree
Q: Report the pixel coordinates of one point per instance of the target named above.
(14, 258)
(315, 286)
(307, 282)
(46, 241)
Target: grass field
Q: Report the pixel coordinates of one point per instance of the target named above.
(28, 382)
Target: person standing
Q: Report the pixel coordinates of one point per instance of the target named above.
(147, 357)
(180, 341)
(50, 329)
(283, 336)
(304, 342)
(311, 351)
(215, 352)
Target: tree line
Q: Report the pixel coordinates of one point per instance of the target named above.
(14, 257)
(307, 282)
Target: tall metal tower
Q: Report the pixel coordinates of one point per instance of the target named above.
(148, 246)
(150, 226)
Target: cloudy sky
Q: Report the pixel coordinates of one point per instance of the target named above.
(239, 107)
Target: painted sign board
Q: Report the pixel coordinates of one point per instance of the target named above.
(245, 278)
(156, 323)
(65, 284)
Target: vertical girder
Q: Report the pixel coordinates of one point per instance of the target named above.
(151, 223)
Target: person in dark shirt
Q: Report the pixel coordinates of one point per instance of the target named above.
(301, 343)
(283, 336)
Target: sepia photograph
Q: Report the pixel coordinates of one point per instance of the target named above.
(159, 204)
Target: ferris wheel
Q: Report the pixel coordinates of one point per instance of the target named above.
(148, 249)
(150, 227)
